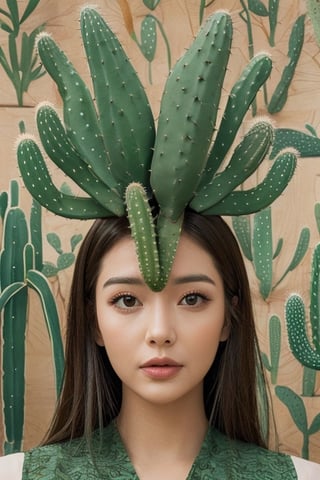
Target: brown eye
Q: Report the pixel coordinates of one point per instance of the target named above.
(129, 301)
(125, 301)
(193, 299)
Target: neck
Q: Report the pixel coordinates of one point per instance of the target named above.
(152, 431)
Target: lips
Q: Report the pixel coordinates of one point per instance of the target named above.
(161, 362)
(161, 368)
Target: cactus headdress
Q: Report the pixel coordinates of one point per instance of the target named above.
(109, 145)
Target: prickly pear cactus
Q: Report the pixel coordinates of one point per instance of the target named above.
(109, 146)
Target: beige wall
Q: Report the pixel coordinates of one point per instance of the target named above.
(294, 210)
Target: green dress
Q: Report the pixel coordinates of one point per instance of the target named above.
(219, 458)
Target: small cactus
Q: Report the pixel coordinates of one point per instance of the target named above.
(306, 351)
(109, 147)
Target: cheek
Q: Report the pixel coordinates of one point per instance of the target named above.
(205, 341)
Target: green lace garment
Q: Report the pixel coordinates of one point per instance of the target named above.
(219, 458)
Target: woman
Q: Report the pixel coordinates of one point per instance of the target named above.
(159, 384)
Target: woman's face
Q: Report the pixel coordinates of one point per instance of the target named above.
(160, 344)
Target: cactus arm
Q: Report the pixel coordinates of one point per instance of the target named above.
(125, 116)
(3, 204)
(299, 253)
(148, 38)
(80, 116)
(278, 248)
(193, 105)
(37, 281)
(315, 425)
(240, 98)
(309, 382)
(168, 238)
(61, 151)
(298, 413)
(314, 304)
(297, 336)
(275, 346)
(307, 145)
(296, 40)
(262, 250)
(242, 229)
(273, 20)
(246, 158)
(9, 292)
(257, 198)
(143, 232)
(36, 233)
(38, 181)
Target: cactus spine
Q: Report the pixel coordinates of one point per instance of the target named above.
(106, 145)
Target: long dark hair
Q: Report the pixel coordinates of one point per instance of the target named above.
(91, 393)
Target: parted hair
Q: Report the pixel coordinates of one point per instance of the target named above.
(234, 387)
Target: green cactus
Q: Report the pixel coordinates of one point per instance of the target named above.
(20, 67)
(19, 258)
(307, 145)
(193, 100)
(125, 117)
(246, 158)
(280, 94)
(272, 365)
(106, 145)
(12, 272)
(65, 259)
(256, 241)
(296, 40)
(305, 350)
(38, 181)
(143, 232)
(240, 98)
(313, 9)
(298, 412)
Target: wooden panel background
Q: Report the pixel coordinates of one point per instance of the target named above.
(294, 210)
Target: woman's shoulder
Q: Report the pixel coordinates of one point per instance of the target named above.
(306, 470)
(11, 466)
(254, 461)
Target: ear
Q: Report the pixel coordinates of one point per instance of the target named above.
(98, 338)
(225, 332)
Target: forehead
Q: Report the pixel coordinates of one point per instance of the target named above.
(191, 258)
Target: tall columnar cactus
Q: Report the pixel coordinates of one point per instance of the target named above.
(108, 147)
(306, 351)
(19, 258)
(15, 239)
(255, 237)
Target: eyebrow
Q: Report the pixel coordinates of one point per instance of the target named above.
(193, 278)
(176, 281)
(123, 280)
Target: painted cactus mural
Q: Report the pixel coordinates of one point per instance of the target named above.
(21, 67)
(19, 257)
(256, 240)
(271, 26)
(306, 351)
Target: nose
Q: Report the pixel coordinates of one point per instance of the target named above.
(161, 329)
